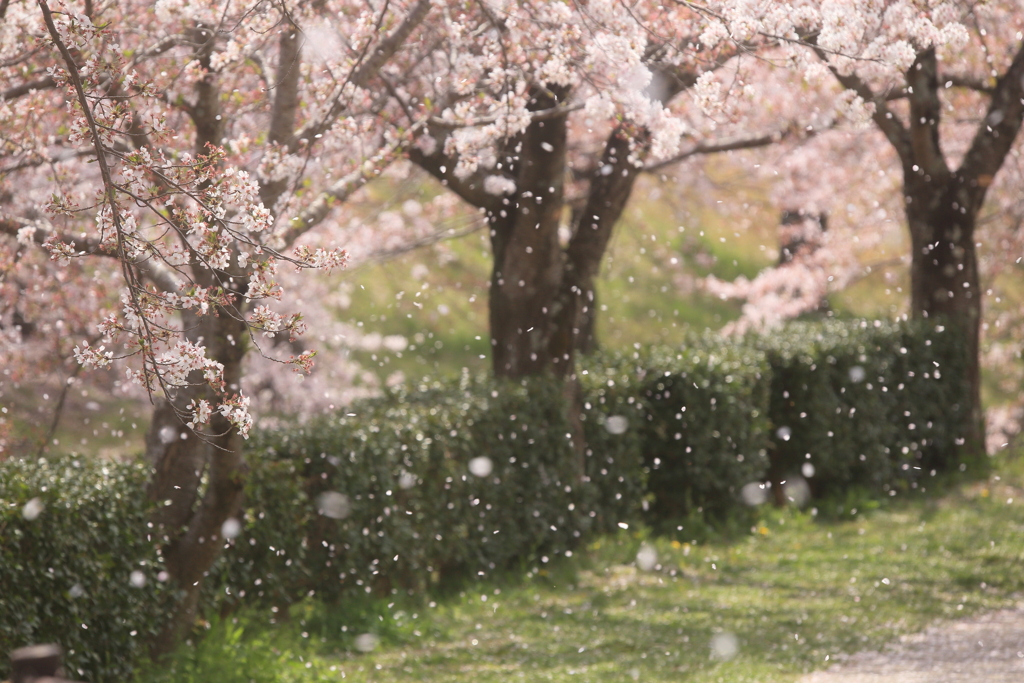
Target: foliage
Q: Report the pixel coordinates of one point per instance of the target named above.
(701, 420)
(792, 591)
(237, 654)
(678, 432)
(73, 534)
(868, 404)
(408, 510)
(206, 196)
(475, 477)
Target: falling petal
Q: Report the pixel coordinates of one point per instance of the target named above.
(32, 509)
(754, 493)
(333, 504)
(231, 528)
(647, 558)
(481, 466)
(366, 642)
(616, 424)
(724, 646)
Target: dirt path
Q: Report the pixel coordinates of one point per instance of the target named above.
(985, 649)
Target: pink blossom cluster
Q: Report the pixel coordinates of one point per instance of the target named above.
(233, 140)
(154, 139)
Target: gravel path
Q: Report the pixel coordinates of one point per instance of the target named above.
(985, 649)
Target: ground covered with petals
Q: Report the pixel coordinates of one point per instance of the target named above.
(790, 595)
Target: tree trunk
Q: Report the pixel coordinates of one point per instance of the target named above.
(942, 205)
(190, 525)
(587, 342)
(609, 191)
(542, 297)
(526, 274)
(178, 456)
(944, 279)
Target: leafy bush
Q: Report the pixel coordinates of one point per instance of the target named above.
(72, 533)
(392, 494)
(409, 510)
(612, 417)
(678, 431)
(865, 404)
(701, 423)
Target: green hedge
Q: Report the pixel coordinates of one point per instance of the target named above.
(415, 513)
(701, 420)
(676, 432)
(66, 568)
(868, 404)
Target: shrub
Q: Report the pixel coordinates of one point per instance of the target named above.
(701, 423)
(613, 418)
(930, 364)
(413, 512)
(66, 568)
(381, 497)
(235, 650)
(866, 404)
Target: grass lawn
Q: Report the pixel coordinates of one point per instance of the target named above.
(782, 598)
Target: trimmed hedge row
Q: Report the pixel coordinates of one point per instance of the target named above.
(391, 495)
(409, 510)
(701, 420)
(76, 565)
(867, 404)
(678, 432)
(852, 404)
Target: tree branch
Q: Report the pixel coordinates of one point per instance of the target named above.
(206, 114)
(339, 191)
(63, 155)
(720, 146)
(16, 91)
(969, 82)
(442, 167)
(286, 90)
(925, 114)
(285, 106)
(672, 79)
(433, 238)
(606, 199)
(155, 272)
(542, 115)
(365, 71)
(883, 117)
(996, 134)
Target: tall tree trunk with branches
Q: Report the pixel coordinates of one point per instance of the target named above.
(212, 256)
(543, 298)
(942, 204)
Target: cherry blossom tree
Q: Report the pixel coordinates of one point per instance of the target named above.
(544, 117)
(942, 85)
(187, 148)
(159, 171)
(547, 114)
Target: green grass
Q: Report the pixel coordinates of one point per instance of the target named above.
(793, 591)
